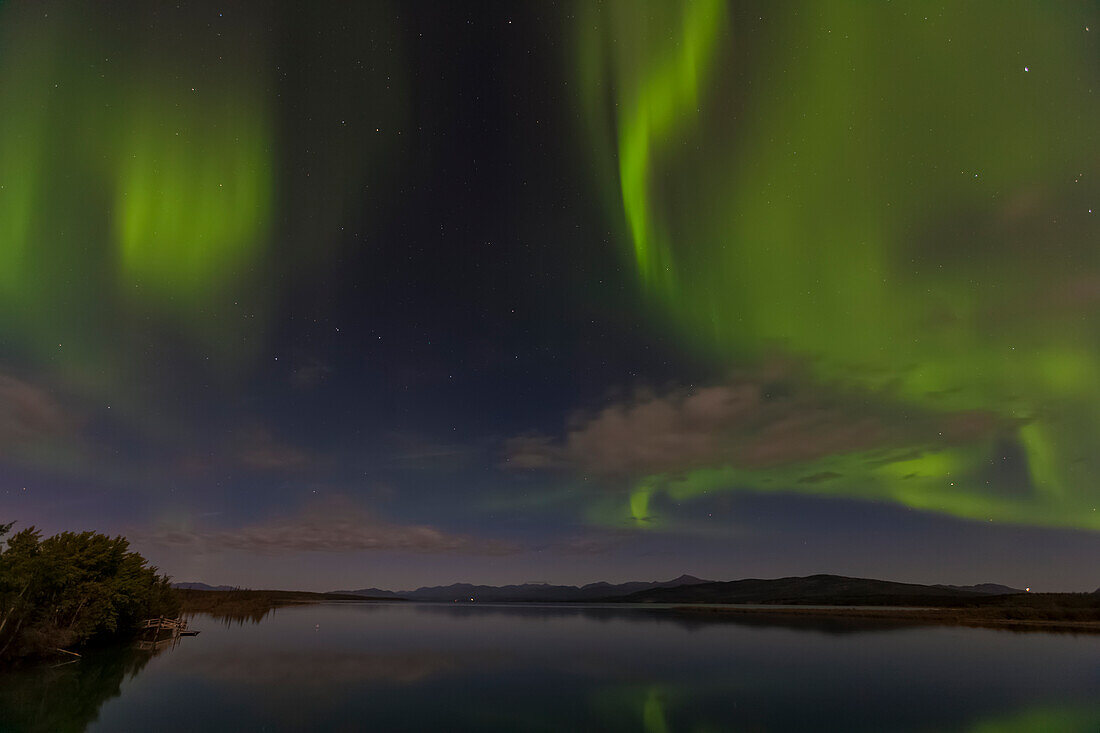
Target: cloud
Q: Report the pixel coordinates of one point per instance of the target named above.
(772, 417)
(534, 452)
(29, 414)
(417, 451)
(817, 478)
(336, 525)
(592, 542)
(261, 451)
(311, 373)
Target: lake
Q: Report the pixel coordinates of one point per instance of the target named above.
(434, 667)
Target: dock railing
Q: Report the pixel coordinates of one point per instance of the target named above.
(175, 626)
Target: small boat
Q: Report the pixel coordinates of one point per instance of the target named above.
(189, 632)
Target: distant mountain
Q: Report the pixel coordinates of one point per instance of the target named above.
(372, 592)
(814, 589)
(528, 592)
(991, 589)
(203, 586)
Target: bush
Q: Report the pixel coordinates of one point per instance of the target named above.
(72, 588)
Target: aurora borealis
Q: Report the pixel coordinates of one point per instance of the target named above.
(818, 229)
(532, 290)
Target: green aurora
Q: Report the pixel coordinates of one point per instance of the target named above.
(135, 206)
(144, 187)
(901, 196)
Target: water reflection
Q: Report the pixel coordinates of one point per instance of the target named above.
(653, 712)
(67, 697)
(229, 619)
(405, 667)
(652, 614)
(660, 709)
(332, 670)
(156, 646)
(1067, 719)
(250, 613)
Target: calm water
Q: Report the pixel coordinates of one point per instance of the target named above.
(421, 667)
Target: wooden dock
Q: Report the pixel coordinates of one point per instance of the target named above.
(171, 627)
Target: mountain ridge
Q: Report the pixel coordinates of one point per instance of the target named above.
(813, 589)
(529, 592)
(992, 589)
(203, 586)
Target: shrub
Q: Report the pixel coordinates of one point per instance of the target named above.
(72, 588)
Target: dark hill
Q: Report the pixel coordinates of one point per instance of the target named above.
(814, 589)
(991, 589)
(202, 586)
(527, 592)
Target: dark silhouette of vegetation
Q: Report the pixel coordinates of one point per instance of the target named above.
(950, 604)
(73, 588)
(1070, 612)
(250, 605)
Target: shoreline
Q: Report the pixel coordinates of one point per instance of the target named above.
(251, 604)
(992, 618)
(255, 604)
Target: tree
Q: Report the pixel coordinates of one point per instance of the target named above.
(74, 587)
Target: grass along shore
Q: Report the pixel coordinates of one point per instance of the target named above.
(1078, 613)
(251, 604)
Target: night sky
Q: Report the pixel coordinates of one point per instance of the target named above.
(317, 296)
